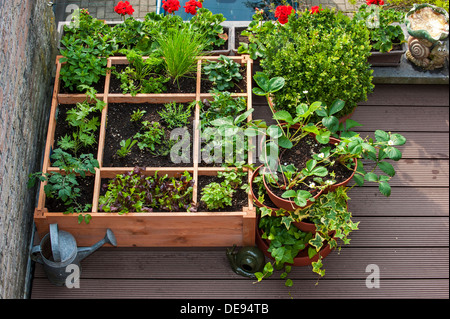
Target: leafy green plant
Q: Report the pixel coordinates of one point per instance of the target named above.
(84, 59)
(151, 137)
(222, 105)
(125, 148)
(223, 73)
(63, 185)
(84, 123)
(176, 114)
(219, 195)
(137, 115)
(180, 47)
(142, 76)
(209, 25)
(379, 20)
(285, 244)
(325, 54)
(136, 192)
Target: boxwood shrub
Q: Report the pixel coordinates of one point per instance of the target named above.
(324, 54)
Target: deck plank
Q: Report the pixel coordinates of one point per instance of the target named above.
(348, 263)
(232, 289)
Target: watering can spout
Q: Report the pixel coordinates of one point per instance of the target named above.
(109, 238)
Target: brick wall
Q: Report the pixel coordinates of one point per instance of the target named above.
(27, 55)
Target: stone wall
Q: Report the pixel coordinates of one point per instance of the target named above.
(27, 55)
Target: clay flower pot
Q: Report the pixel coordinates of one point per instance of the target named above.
(287, 204)
(302, 258)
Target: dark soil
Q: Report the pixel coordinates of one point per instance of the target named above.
(240, 38)
(267, 201)
(63, 128)
(300, 154)
(121, 128)
(206, 86)
(240, 198)
(86, 186)
(99, 87)
(186, 84)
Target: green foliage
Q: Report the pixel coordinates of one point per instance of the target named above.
(383, 34)
(176, 115)
(223, 73)
(137, 115)
(406, 5)
(151, 137)
(222, 105)
(142, 76)
(325, 54)
(63, 185)
(125, 148)
(136, 192)
(179, 48)
(285, 244)
(219, 195)
(209, 24)
(84, 123)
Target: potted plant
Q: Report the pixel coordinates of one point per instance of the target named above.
(386, 34)
(319, 169)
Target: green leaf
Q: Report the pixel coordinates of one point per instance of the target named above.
(284, 142)
(331, 123)
(381, 136)
(274, 131)
(258, 91)
(393, 153)
(263, 81)
(283, 116)
(275, 84)
(371, 177)
(385, 188)
(351, 124)
(397, 139)
(387, 168)
(336, 106)
(289, 193)
(288, 283)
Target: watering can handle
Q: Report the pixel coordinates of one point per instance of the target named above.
(54, 241)
(36, 254)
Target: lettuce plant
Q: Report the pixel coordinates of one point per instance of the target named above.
(136, 192)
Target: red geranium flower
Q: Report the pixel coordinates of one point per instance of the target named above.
(191, 6)
(377, 2)
(123, 8)
(171, 5)
(282, 13)
(315, 9)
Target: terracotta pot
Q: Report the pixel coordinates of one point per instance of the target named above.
(305, 226)
(302, 258)
(255, 198)
(286, 204)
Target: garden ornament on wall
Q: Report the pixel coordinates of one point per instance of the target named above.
(246, 261)
(428, 28)
(61, 257)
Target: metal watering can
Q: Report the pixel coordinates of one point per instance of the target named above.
(58, 249)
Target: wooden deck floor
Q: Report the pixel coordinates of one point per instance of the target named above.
(406, 235)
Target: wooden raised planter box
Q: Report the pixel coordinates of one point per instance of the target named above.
(164, 229)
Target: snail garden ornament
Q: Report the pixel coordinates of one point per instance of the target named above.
(246, 261)
(428, 28)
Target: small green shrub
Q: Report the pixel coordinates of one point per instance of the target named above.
(223, 73)
(322, 56)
